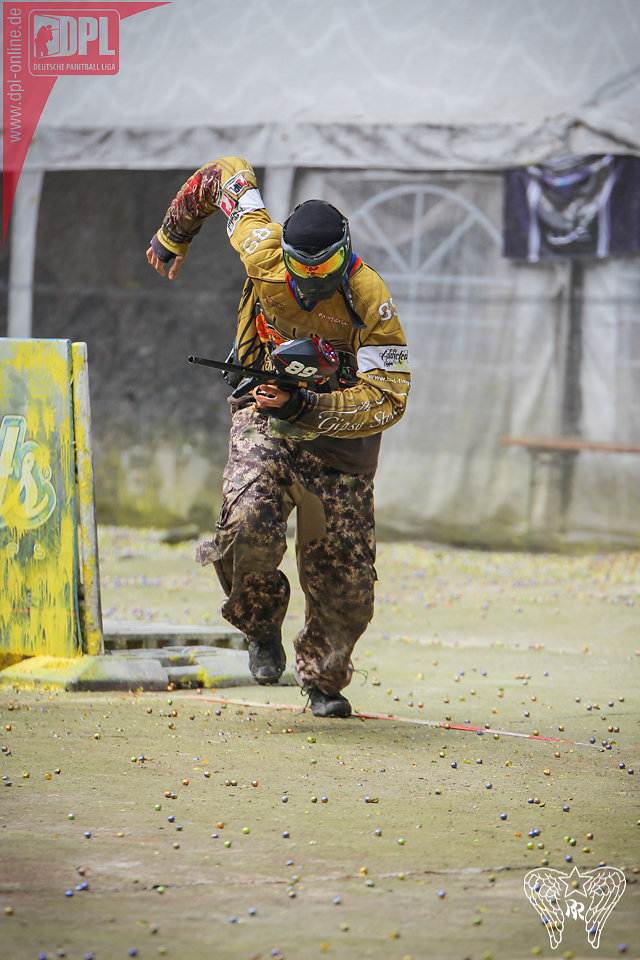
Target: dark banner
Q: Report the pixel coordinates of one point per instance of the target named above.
(582, 206)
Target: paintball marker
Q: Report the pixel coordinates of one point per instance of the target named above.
(296, 363)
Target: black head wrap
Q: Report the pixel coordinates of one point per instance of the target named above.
(314, 226)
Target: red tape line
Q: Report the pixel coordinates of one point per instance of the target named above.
(389, 716)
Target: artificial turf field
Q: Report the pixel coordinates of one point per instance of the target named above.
(145, 824)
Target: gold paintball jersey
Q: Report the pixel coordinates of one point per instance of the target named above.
(349, 419)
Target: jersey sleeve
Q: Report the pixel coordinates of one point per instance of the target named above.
(228, 184)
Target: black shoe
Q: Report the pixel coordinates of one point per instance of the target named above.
(328, 705)
(266, 661)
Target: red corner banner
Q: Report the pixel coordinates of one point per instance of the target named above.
(41, 42)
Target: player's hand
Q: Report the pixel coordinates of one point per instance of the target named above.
(270, 397)
(159, 265)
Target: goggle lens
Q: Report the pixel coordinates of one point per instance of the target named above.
(316, 270)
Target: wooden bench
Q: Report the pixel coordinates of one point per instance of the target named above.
(545, 449)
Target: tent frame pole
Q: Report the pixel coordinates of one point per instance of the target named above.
(24, 230)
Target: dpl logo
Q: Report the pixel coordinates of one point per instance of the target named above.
(71, 42)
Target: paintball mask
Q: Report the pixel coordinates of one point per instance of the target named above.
(316, 245)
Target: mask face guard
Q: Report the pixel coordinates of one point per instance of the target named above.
(316, 288)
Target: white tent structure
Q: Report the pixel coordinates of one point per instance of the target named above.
(382, 84)
(405, 113)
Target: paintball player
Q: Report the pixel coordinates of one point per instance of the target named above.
(312, 449)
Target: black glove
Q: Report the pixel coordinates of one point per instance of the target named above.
(298, 403)
(161, 252)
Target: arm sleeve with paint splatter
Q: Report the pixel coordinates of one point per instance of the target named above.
(219, 185)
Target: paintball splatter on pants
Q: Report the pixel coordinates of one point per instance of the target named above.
(266, 477)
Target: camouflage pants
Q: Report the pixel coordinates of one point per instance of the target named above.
(264, 480)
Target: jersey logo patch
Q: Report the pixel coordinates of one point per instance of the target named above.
(227, 204)
(394, 358)
(236, 184)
